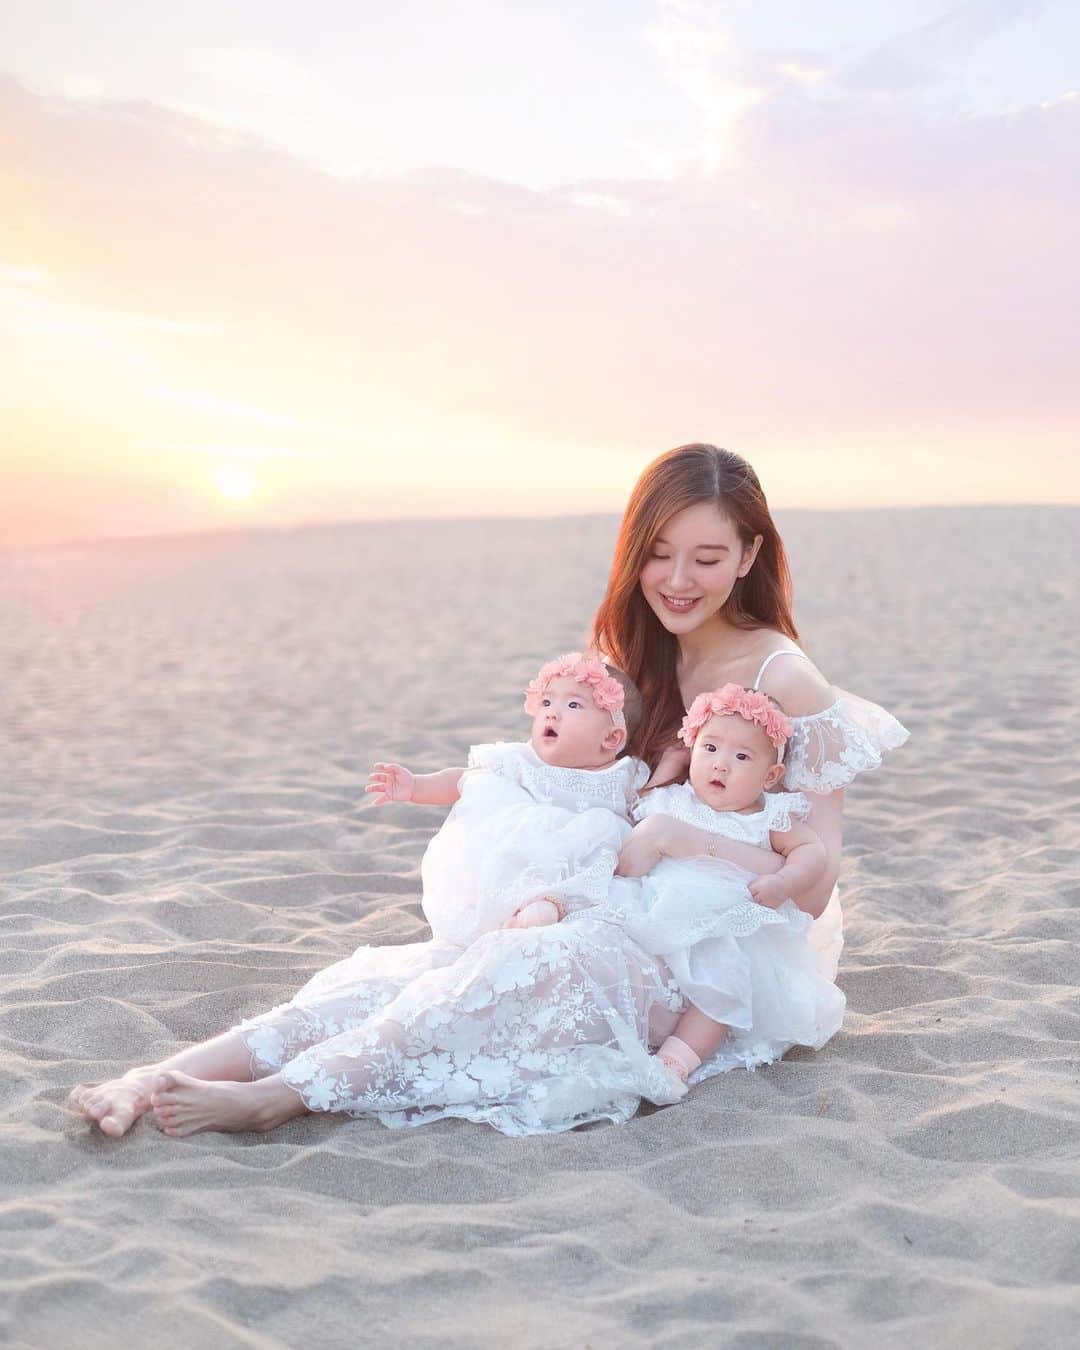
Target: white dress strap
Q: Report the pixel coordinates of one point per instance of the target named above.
(784, 651)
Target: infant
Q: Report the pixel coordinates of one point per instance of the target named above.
(736, 943)
(536, 827)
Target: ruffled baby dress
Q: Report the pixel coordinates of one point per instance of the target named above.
(532, 1030)
(521, 829)
(743, 964)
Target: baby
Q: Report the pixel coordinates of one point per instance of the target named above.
(536, 826)
(736, 943)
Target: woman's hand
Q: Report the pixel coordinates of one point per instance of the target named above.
(645, 846)
(674, 762)
(391, 783)
(770, 891)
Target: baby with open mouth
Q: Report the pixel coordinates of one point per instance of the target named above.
(537, 825)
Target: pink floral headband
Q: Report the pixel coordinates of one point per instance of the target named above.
(607, 693)
(734, 700)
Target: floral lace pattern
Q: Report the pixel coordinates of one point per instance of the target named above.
(531, 1031)
(752, 827)
(615, 787)
(830, 748)
(577, 888)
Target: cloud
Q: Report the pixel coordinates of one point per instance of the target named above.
(858, 272)
(931, 52)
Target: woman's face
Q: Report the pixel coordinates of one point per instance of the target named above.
(692, 566)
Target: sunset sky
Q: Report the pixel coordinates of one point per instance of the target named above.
(265, 263)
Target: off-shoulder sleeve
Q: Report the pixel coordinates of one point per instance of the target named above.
(828, 749)
(781, 808)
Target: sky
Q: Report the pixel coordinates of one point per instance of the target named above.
(265, 264)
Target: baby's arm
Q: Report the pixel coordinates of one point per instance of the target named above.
(661, 836)
(394, 783)
(804, 865)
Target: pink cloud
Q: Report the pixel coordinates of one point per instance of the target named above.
(857, 272)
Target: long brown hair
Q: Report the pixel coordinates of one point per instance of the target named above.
(626, 630)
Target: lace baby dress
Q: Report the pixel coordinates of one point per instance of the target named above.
(743, 964)
(531, 1031)
(523, 828)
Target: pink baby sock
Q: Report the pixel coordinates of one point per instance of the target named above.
(678, 1057)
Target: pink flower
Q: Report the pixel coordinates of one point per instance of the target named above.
(607, 693)
(733, 700)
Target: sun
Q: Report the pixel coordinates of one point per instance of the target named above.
(235, 483)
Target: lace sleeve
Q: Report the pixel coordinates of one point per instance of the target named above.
(828, 749)
(496, 757)
(657, 802)
(639, 777)
(781, 808)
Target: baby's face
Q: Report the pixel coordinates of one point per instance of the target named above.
(570, 731)
(732, 763)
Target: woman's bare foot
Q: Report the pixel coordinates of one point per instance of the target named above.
(116, 1105)
(183, 1105)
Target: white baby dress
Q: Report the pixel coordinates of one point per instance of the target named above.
(521, 829)
(743, 964)
(528, 1030)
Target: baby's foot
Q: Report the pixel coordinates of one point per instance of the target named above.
(184, 1105)
(116, 1105)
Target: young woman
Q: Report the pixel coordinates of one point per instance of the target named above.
(700, 596)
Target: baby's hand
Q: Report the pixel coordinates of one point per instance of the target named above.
(769, 891)
(536, 913)
(391, 783)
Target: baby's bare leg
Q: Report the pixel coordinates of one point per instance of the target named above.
(693, 1040)
(116, 1105)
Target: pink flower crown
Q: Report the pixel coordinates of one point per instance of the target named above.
(733, 700)
(607, 693)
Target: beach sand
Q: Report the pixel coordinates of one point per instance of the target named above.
(187, 725)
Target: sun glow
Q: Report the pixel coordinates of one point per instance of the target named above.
(234, 483)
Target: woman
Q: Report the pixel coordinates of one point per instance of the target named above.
(538, 1030)
(699, 596)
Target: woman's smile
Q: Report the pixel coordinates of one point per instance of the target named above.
(678, 606)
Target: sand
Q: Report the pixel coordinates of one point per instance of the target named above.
(187, 725)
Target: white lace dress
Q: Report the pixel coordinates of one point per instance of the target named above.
(529, 1030)
(743, 964)
(522, 828)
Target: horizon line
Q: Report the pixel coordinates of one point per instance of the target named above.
(297, 527)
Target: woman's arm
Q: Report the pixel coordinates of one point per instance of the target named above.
(826, 819)
(672, 767)
(663, 836)
(802, 690)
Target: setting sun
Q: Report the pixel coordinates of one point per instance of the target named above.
(236, 484)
